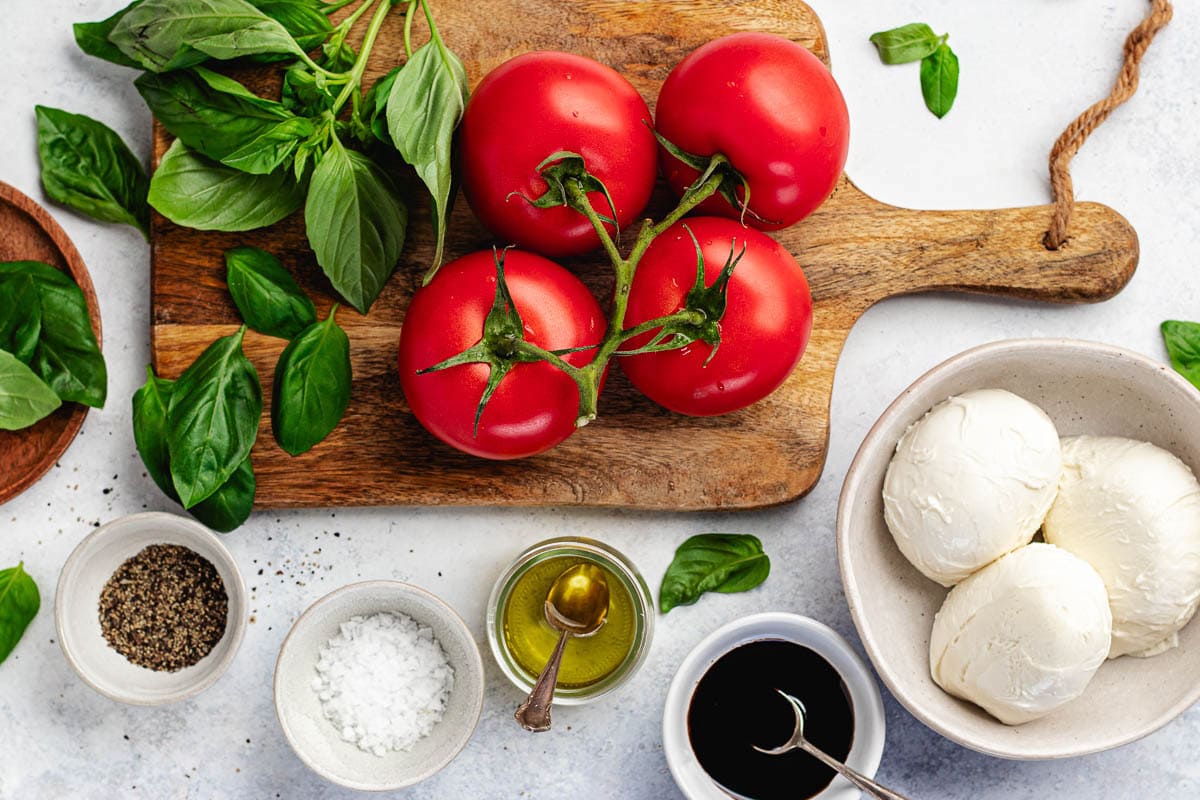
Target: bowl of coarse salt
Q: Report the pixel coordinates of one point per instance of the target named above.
(378, 686)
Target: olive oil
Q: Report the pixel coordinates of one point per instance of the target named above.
(531, 640)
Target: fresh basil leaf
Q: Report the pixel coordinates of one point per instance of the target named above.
(305, 92)
(227, 507)
(356, 224)
(67, 356)
(939, 80)
(195, 192)
(312, 386)
(713, 562)
(212, 419)
(424, 107)
(86, 166)
(230, 505)
(267, 296)
(92, 38)
(374, 106)
(907, 43)
(303, 19)
(19, 604)
(20, 316)
(162, 35)
(220, 118)
(150, 430)
(1183, 347)
(24, 397)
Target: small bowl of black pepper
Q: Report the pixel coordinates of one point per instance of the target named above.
(150, 609)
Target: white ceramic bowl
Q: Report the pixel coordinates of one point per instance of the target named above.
(867, 747)
(77, 609)
(1085, 388)
(315, 739)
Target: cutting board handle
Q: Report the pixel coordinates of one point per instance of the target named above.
(997, 251)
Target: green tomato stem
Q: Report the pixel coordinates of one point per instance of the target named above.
(588, 378)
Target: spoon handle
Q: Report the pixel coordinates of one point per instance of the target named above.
(534, 713)
(857, 778)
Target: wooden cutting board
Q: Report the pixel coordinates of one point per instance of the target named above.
(855, 251)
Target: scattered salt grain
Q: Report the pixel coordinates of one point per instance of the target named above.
(383, 682)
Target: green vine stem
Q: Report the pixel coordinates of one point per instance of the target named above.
(364, 53)
(588, 377)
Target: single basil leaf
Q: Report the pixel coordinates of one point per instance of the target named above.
(150, 430)
(907, 43)
(713, 562)
(1183, 346)
(212, 419)
(374, 107)
(67, 356)
(20, 316)
(220, 118)
(267, 296)
(312, 386)
(424, 107)
(356, 223)
(195, 192)
(230, 505)
(86, 165)
(24, 397)
(19, 604)
(162, 35)
(227, 507)
(92, 38)
(303, 19)
(939, 80)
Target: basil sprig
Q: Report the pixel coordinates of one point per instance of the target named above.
(86, 165)
(713, 562)
(19, 604)
(226, 508)
(939, 65)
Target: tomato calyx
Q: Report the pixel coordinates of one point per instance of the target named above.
(704, 308)
(499, 347)
(716, 164)
(561, 168)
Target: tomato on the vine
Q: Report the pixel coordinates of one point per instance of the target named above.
(769, 106)
(763, 332)
(535, 405)
(538, 104)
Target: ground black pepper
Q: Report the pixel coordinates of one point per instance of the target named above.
(164, 609)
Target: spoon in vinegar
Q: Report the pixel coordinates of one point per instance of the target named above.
(576, 605)
(798, 742)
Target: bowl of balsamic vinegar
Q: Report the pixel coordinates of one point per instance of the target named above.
(725, 700)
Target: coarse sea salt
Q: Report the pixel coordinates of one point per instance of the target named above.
(383, 681)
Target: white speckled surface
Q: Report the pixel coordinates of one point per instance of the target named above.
(1028, 67)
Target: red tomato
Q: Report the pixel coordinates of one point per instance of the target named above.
(772, 108)
(538, 104)
(536, 405)
(763, 333)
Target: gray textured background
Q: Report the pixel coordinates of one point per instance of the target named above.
(1028, 66)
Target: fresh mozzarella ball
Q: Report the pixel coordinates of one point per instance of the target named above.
(1024, 635)
(971, 481)
(1132, 511)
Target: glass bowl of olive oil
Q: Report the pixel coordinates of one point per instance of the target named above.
(522, 640)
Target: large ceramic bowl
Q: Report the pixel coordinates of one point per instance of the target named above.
(1085, 388)
(315, 739)
(867, 747)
